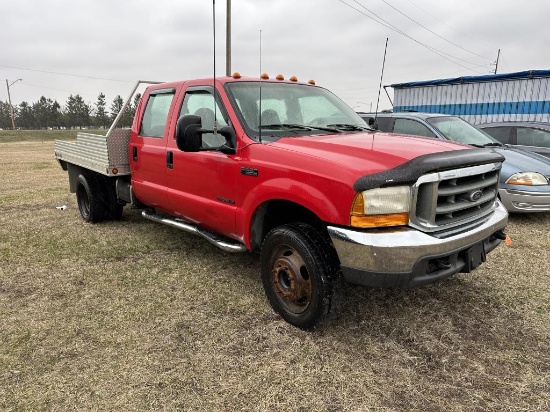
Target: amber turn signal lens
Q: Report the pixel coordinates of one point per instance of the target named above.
(373, 221)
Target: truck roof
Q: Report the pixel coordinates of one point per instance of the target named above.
(233, 79)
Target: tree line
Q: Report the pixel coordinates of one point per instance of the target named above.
(76, 113)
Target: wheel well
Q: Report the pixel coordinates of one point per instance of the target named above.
(276, 213)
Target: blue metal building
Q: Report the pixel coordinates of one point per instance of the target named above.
(521, 96)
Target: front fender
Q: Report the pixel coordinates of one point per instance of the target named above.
(328, 207)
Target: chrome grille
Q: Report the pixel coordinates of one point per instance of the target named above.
(454, 197)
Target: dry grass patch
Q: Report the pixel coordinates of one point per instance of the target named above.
(135, 316)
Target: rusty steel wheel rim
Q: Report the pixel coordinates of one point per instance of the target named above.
(290, 279)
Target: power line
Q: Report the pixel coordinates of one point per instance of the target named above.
(65, 74)
(445, 24)
(436, 51)
(392, 27)
(434, 33)
(443, 75)
(58, 90)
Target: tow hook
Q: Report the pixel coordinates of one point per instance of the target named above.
(499, 234)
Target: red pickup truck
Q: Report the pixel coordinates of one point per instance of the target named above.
(288, 170)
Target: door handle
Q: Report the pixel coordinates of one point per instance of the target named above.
(134, 153)
(169, 160)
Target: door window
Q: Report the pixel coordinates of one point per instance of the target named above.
(501, 133)
(201, 103)
(154, 118)
(530, 136)
(408, 126)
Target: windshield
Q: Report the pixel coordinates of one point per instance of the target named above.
(458, 130)
(290, 110)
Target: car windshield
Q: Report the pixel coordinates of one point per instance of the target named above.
(271, 110)
(458, 130)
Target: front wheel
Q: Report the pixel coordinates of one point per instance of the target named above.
(299, 273)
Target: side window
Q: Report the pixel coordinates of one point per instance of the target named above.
(501, 133)
(408, 126)
(529, 136)
(155, 115)
(201, 103)
(384, 123)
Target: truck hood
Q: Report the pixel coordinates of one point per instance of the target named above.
(366, 152)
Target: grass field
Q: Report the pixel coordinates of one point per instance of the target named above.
(134, 316)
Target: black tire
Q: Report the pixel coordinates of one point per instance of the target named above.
(113, 209)
(90, 196)
(300, 273)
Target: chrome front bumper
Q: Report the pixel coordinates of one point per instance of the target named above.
(520, 201)
(406, 257)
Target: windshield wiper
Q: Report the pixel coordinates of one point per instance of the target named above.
(349, 127)
(491, 144)
(290, 126)
(284, 126)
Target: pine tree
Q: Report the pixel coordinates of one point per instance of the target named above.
(77, 112)
(101, 115)
(5, 118)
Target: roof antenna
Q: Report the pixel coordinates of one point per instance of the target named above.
(380, 87)
(260, 105)
(214, 78)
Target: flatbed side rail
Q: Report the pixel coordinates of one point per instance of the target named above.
(107, 155)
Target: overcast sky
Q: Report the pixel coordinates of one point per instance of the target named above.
(62, 47)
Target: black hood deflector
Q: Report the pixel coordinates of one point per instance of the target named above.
(410, 171)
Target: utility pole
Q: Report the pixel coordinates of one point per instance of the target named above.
(496, 63)
(228, 41)
(8, 85)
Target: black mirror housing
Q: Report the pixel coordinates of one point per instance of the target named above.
(188, 133)
(230, 145)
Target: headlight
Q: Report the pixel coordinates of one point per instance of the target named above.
(527, 178)
(383, 207)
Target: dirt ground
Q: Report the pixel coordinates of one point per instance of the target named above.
(134, 316)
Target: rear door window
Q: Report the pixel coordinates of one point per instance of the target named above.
(383, 123)
(155, 115)
(529, 136)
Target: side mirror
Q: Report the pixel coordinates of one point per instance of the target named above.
(230, 146)
(188, 133)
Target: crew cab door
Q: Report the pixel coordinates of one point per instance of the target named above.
(201, 185)
(147, 149)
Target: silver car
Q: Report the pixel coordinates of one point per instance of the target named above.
(532, 136)
(524, 184)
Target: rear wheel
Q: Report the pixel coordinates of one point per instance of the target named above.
(299, 273)
(90, 197)
(113, 209)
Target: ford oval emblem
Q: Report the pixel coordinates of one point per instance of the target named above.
(475, 195)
